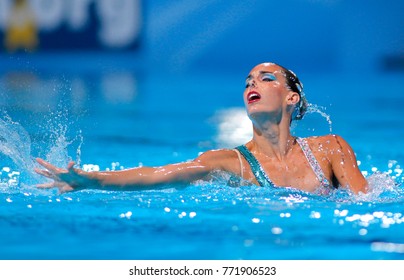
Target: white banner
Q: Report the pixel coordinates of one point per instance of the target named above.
(190, 270)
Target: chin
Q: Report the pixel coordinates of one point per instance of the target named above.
(254, 114)
(262, 113)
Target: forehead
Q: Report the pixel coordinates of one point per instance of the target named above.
(265, 67)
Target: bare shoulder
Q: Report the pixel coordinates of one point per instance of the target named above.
(328, 143)
(223, 159)
(217, 155)
(342, 160)
(329, 140)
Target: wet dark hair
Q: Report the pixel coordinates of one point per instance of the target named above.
(293, 83)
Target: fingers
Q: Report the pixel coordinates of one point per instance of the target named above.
(60, 176)
(47, 165)
(63, 188)
(53, 169)
(45, 173)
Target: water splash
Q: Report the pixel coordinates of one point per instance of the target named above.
(9, 177)
(15, 144)
(313, 108)
(383, 188)
(58, 153)
(78, 151)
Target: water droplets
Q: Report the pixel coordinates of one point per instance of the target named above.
(382, 186)
(315, 215)
(383, 219)
(9, 178)
(388, 247)
(363, 231)
(276, 230)
(15, 143)
(340, 213)
(285, 215)
(184, 214)
(115, 166)
(315, 109)
(91, 167)
(126, 215)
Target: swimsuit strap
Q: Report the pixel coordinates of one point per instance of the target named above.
(256, 168)
(313, 161)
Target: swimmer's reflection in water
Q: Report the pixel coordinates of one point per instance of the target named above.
(273, 97)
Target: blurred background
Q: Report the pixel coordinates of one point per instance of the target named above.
(119, 64)
(214, 35)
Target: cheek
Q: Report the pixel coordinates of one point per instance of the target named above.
(277, 93)
(274, 97)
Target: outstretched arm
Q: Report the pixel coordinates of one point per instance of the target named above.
(136, 178)
(345, 168)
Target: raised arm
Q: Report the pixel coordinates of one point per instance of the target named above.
(344, 166)
(138, 178)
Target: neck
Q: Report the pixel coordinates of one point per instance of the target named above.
(272, 139)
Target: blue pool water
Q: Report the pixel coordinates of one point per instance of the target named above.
(119, 118)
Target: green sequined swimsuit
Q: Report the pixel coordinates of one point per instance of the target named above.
(263, 179)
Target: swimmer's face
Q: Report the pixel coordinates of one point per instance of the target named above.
(266, 91)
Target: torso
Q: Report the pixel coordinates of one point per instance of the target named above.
(295, 170)
(335, 157)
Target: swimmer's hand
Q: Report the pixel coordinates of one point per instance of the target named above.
(65, 180)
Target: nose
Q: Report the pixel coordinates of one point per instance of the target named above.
(252, 84)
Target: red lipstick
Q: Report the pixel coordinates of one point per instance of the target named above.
(253, 96)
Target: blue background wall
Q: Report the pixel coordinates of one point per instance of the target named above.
(305, 35)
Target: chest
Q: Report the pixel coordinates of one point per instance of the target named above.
(292, 171)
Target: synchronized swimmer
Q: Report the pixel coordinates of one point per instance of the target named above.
(273, 97)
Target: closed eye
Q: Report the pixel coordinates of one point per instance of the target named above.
(264, 76)
(268, 77)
